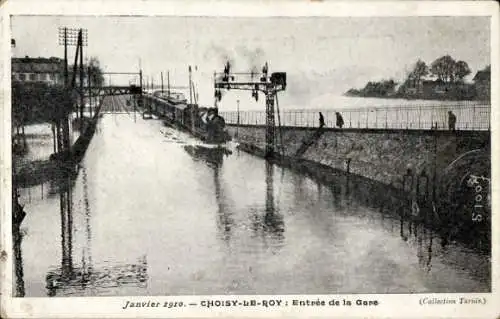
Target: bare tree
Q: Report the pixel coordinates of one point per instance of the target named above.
(419, 71)
(444, 68)
(461, 70)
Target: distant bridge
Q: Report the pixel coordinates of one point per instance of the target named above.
(112, 90)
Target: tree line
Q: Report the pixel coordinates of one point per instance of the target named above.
(93, 68)
(446, 82)
(39, 102)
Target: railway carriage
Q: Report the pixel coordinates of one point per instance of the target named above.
(203, 122)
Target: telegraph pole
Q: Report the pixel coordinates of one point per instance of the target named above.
(66, 57)
(269, 85)
(193, 113)
(168, 83)
(190, 89)
(237, 118)
(80, 39)
(68, 37)
(161, 74)
(90, 90)
(140, 101)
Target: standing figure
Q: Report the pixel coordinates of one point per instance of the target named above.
(452, 120)
(340, 120)
(321, 120)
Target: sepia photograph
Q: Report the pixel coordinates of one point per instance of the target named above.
(204, 155)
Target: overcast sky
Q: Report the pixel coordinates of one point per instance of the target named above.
(319, 54)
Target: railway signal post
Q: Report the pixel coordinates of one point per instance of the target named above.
(254, 82)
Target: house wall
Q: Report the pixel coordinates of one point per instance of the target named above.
(49, 78)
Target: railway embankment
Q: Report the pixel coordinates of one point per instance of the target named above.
(381, 155)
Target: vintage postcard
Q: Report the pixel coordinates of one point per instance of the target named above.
(249, 159)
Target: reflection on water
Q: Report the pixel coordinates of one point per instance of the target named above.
(214, 158)
(87, 279)
(272, 223)
(18, 264)
(147, 217)
(268, 223)
(423, 240)
(224, 220)
(102, 280)
(65, 204)
(211, 155)
(82, 278)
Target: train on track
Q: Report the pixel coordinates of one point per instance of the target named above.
(202, 122)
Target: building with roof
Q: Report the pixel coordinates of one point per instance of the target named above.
(38, 70)
(482, 83)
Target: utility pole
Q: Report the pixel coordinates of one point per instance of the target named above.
(140, 101)
(190, 88)
(150, 106)
(269, 85)
(140, 78)
(434, 177)
(80, 39)
(68, 37)
(193, 113)
(237, 118)
(90, 90)
(66, 85)
(168, 83)
(66, 57)
(161, 74)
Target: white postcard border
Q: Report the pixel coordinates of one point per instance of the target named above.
(403, 305)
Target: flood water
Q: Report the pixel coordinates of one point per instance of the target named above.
(153, 212)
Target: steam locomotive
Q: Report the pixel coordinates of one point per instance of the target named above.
(202, 122)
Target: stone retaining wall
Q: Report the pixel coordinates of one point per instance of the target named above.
(380, 155)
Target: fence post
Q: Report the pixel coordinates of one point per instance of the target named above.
(432, 118)
(474, 117)
(489, 117)
(419, 115)
(406, 118)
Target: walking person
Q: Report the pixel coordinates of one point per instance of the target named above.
(452, 120)
(340, 120)
(321, 120)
